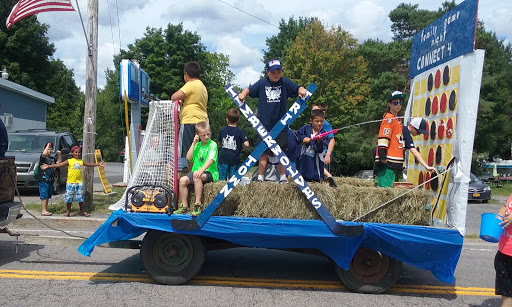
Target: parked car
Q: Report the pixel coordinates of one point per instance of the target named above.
(478, 190)
(27, 145)
(365, 174)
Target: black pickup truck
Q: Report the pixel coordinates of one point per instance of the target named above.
(9, 209)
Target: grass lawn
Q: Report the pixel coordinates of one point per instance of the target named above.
(504, 190)
(100, 204)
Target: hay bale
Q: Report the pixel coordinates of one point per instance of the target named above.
(353, 198)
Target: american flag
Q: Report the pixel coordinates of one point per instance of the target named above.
(26, 8)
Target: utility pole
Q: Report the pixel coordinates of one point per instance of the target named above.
(91, 84)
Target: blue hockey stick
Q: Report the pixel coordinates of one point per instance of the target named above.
(295, 110)
(328, 219)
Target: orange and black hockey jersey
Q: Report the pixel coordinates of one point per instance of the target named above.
(390, 149)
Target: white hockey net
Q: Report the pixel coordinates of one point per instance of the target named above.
(157, 160)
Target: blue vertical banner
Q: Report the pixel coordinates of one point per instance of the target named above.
(450, 36)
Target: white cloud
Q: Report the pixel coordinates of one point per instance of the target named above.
(228, 30)
(248, 75)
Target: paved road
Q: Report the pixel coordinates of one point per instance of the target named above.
(48, 272)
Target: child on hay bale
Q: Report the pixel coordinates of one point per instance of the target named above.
(330, 147)
(232, 140)
(272, 93)
(203, 154)
(311, 159)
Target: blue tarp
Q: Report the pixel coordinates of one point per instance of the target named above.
(433, 249)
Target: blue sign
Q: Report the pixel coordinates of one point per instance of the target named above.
(134, 82)
(450, 36)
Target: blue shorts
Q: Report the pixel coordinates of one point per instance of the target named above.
(74, 191)
(227, 170)
(45, 189)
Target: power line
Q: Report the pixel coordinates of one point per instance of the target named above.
(118, 28)
(111, 27)
(248, 13)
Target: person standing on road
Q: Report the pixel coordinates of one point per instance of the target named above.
(503, 258)
(45, 176)
(75, 181)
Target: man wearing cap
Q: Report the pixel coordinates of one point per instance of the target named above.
(415, 127)
(272, 93)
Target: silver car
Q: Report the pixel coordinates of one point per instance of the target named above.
(27, 145)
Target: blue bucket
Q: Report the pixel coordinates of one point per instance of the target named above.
(490, 228)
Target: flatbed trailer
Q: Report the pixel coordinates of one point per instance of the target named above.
(368, 263)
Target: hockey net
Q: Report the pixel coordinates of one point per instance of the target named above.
(158, 155)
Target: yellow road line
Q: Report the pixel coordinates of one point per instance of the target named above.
(246, 282)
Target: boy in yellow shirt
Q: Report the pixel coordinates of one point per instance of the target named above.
(75, 182)
(193, 98)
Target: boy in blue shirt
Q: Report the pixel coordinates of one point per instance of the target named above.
(330, 147)
(232, 140)
(311, 160)
(272, 93)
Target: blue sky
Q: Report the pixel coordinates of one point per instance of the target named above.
(226, 30)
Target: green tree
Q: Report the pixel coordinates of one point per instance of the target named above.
(330, 59)
(27, 54)
(407, 19)
(494, 110)
(288, 31)
(162, 53)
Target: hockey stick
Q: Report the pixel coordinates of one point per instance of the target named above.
(295, 110)
(321, 135)
(328, 219)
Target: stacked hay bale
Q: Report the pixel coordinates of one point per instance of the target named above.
(353, 198)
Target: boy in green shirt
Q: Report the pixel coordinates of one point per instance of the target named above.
(203, 154)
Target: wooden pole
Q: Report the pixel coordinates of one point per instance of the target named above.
(91, 84)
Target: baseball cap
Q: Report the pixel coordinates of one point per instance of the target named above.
(273, 64)
(419, 124)
(396, 95)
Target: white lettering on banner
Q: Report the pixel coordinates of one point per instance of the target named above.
(295, 108)
(308, 192)
(316, 203)
(269, 141)
(434, 56)
(284, 160)
(232, 92)
(253, 120)
(276, 150)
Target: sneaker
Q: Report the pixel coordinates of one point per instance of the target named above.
(198, 208)
(331, 181)
(181, 210)
(283, 180)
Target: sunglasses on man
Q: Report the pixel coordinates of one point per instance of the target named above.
(397, 102)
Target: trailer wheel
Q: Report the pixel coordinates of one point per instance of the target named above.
(370, 272)
(172, 258)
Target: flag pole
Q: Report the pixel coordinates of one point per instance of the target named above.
(91, 83)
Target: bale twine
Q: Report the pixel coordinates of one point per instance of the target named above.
(353, 198)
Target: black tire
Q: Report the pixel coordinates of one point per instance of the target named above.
(172, 258)
(370, 272)
(485, 201)
(56, 183)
